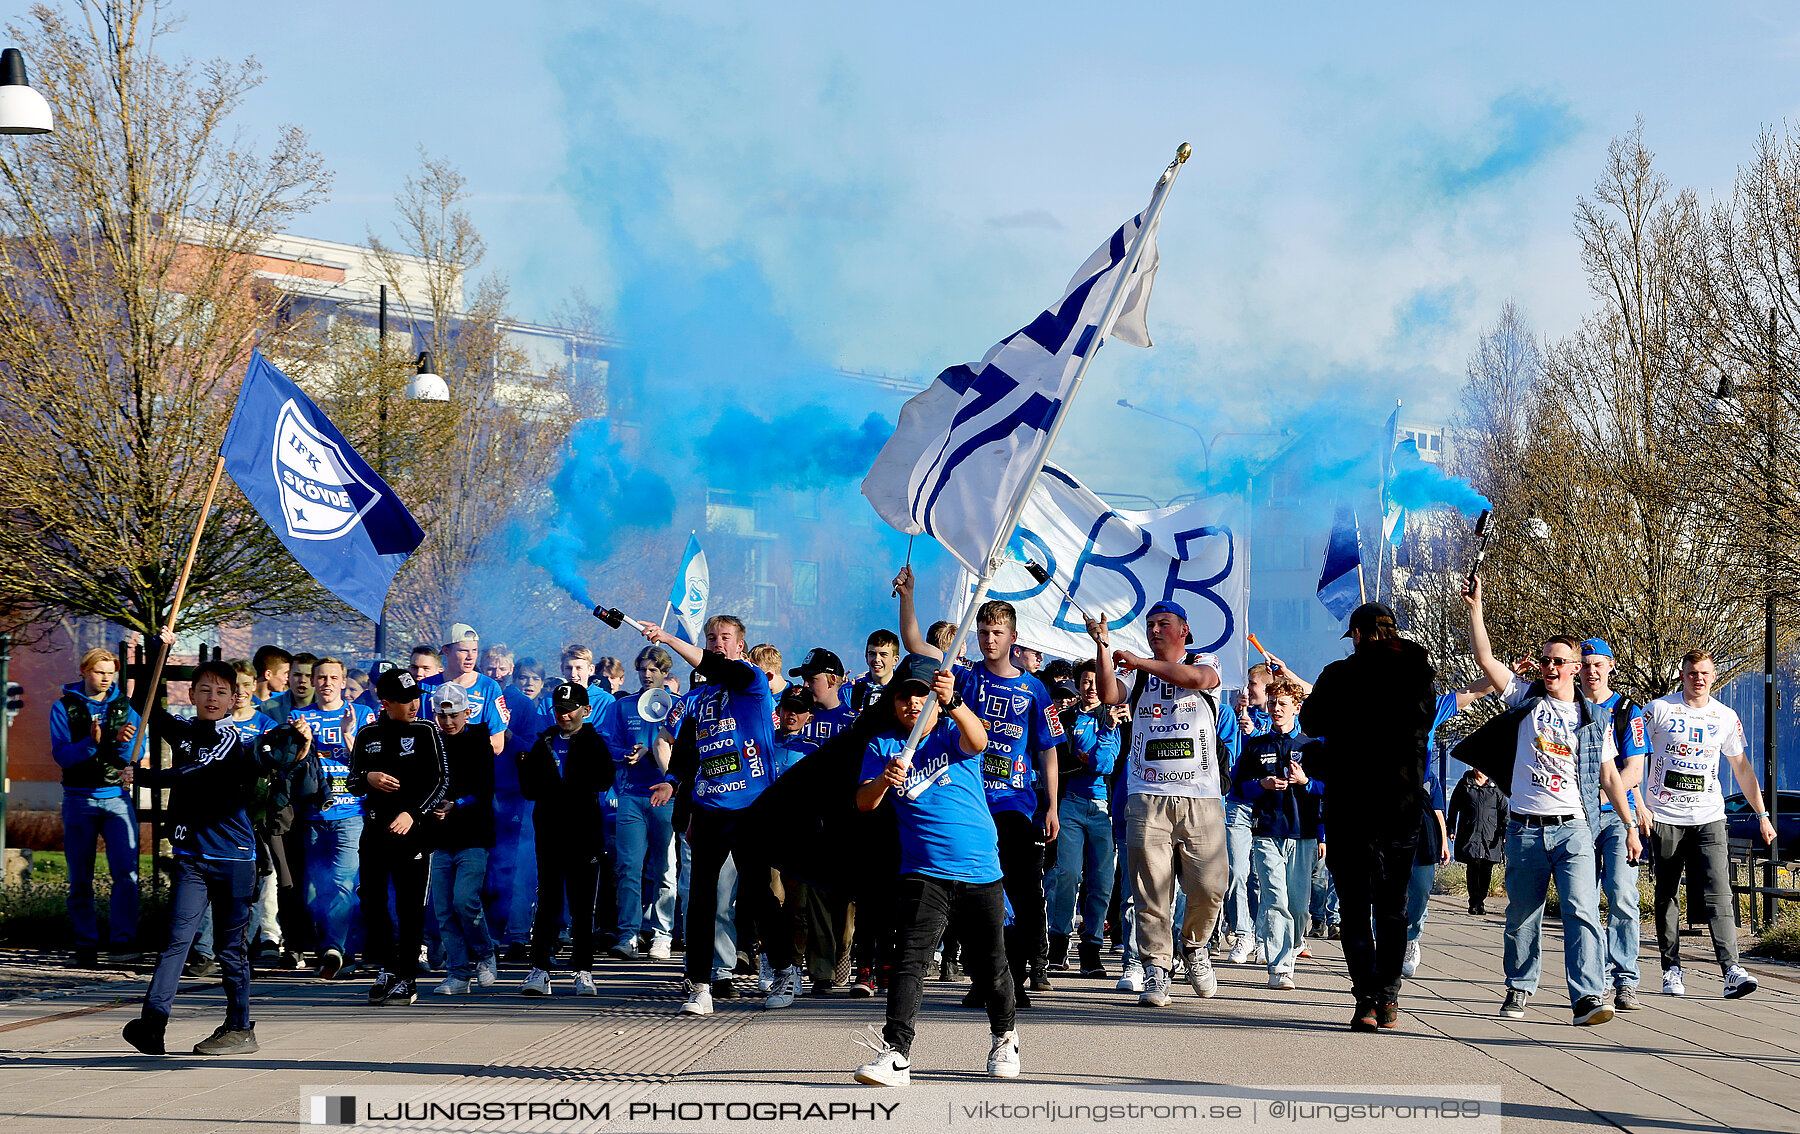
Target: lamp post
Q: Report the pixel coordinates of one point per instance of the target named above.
(1205, 449)
(426, 385)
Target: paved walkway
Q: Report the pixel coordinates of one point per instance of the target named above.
(1699, 1064)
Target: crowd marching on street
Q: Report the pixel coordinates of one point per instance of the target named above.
(1110, 817)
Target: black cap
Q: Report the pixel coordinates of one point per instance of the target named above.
(915, 669)
(1061, 692)
(818, 661)
(798, 699)
(568, 695)
(1367, 616)
(397, 686)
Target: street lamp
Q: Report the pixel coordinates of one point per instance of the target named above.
(427, 386)
(1205, 449)
(22, 110)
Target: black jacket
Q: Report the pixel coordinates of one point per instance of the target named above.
(1293, 812)
(1373, 711)
(568, 801)
(471, 822)
(210, 776)
(411, 752)
(1477, 820)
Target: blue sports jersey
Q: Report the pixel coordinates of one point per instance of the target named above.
(622, 728)
(825, 724)
(946, 827)
(599, 696)
(1098, 744)
(1260, 721)
(487, 701)
(333, 748)
(523, 725)
(249, 730)
(1635, 742)
(734, 731)
(790, 749)
(1021, 722)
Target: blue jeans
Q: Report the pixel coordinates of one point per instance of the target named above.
(646, 846)
(511, 889)
(1534, 855)
(1418, 895)
(1084, 854)
(1619, 881)
(1324, 895)
(1237, 849)
(331, 869)
(456, 880)
(1284, 870)
(115, 820)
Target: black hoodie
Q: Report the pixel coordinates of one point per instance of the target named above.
(1373, 711)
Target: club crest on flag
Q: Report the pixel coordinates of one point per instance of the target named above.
(322, 497)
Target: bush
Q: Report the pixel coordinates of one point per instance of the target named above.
(1781, 941)
(35, 914)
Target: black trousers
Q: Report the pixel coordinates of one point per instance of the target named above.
(1022, 864)
(710, 841)
(227, 888)
(401, 863)
(1371, 867)
(927, 905)
(570, 863)
(1480, 874)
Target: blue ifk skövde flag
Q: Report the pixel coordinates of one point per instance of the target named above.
(689, 594)
(326, 505)
(1340, 582)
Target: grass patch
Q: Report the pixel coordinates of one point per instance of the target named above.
(35, 914)
(1781, 941)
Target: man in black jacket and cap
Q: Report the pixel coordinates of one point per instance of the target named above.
(1373, 712)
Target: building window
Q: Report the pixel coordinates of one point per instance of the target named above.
(806, 583)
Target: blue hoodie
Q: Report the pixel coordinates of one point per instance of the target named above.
(89, 769)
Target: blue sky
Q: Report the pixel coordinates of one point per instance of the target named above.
(900, 185)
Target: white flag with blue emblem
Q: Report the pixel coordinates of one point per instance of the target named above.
(962, 447)
(688, 596)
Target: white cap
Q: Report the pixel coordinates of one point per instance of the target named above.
(462, 632)
(449, 698)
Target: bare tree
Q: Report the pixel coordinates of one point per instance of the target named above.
(129, 304)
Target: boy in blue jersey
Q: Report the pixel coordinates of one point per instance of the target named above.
(822, 673)
(333, 825)
(644, 841)
(1084, 850)
(793, 712)
(92, 726)
(949, 861)
(1618, 870)
(1022, 727)
(511, 888)
(825, 916)
(1286, 829)
(487, 702)
(732, 712)
(211, 774)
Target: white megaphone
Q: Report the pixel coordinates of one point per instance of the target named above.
(653, 708)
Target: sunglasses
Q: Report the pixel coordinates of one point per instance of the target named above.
(1557, 662)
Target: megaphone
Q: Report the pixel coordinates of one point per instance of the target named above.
(655, 705)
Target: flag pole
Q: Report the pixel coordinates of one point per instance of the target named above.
(1023, 495)
(162, 649)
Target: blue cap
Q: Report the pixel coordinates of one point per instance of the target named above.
(1596, 647)
(1167, 607)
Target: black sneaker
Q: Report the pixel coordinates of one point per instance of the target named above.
(201, 967)
(1388, 1015)
(1040, 982)
(224, 1041)
(146, 1034)
(1365, 1017)
(724, 990)
(623, 951)
(289, 961)
(949, 971)
(1091, 965)
(123, 955)
(1059, 953)
(1513, 1007)
(1021, 999)
(384, 984)
(87, 958)
(1591, 1010)
(518, 953)
(403, 992)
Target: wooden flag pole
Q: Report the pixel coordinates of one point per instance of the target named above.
(162, 652)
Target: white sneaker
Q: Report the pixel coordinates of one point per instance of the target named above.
(699, 1000)
(1003, 1056)
(765, 974)
(1156, 988)
(785, 987)
(1738, 983)
(659, 949)
(537, 983)
(485, 973)
(451, 986)
(1132, 979)
(1242, 951)
(584, 985)
(1200, 974)
(1672, 985)
(1411, 964)
(1281, 982)
(888, 1069)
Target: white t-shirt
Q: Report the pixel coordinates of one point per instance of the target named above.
(1174, 743)
(1686, 747)
(1546, 778)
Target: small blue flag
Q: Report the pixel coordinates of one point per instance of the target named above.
(340, 521)
(1340, 583)
(689, 594)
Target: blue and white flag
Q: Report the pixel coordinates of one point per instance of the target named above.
(962, 447)
(688, 596)
(340, 521)
(1340, 582)
(1393, 513)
